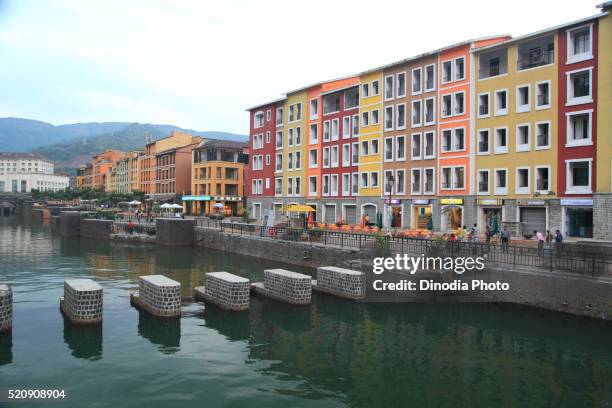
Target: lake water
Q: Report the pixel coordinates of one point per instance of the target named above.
(333, 353)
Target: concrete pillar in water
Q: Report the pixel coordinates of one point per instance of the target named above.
(158, 295)
(82, 301)
(70, 224)
(226, 290)
(6, 308)
(285, 286)
(345, 283)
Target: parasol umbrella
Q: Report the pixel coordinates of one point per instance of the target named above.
(134, 202)
(165, 206)
(218, 205)
(176, 206)
(297, 208)
(310, 220)
(341, 220)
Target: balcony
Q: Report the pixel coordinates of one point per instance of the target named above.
(493, 63)
(536, 53)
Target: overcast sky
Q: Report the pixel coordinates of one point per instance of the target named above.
(199, 64)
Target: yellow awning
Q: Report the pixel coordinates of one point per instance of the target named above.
(297, 208)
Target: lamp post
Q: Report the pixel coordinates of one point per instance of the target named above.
(390, 181)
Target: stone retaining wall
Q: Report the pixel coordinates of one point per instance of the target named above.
(174, 231)
(70, 224)
(96, 229)
(226, 290)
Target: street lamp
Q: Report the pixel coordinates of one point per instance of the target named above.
(390, 182)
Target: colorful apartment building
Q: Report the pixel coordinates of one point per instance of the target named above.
(101, 166)
(218, 178)
(491, 131)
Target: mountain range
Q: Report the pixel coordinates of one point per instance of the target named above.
(74, 144)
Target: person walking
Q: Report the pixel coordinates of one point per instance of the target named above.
(549, 239)
(558, 242)
(540, 237)
(505, 239)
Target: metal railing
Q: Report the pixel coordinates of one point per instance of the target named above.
(556, 257)
(144, 228)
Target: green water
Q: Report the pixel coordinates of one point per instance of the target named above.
(334, 353)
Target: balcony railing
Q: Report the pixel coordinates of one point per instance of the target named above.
(526, 62)
(493, 70)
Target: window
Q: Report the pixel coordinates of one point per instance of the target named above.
(364, 180)
(400, 115)
(290, 186)
(298, 185)
(483, 181)
(388, 117)
(375, 88)
(388, 87)
(295, 112)
(365, 90)
(459, 134)
(355, 154)
(258, 119)
(279, 162)
(459, 68)
(522, 180)
(374, 179)
(388, 185)
(365, 148)
(447, 72)
(415, 151)
(312, 185)
(430, 145)
(351, 98)
(579, 44)
(430, 111)
(416, 81)
(334, 185)
(298, 136)
(447, 140)
(279, 116)
(331, 103)
(326, 131)
(500, 183)
(326, 157)
(313, 158)
(579, 128)
(429, 178)
(493, 63)
(401, 84)
(355, 184)
(374, 146)
(335, 129)
(579, 87)
(523, 137)
(346, 155)
(365, 119)
(445, 178)
(355, 125)
(400, 148)
(416, 113)
(578, 176)
(314, 108)
(542, 135)
(375, 118)
(268, 115)
(523, 103)
(335, 159)
(542, 181)
(459, 103)
(298, 160)
(346, 184)
(447, 105)
(267, 159)
(483, 141)
(346, 127)
(430, 77)
(400, 182)
(290, 161)
(279, 139)
(290, 137)
(501, 140)
(388, 149)
(501, 102)
(268, 136)
(278, 186)
(483, 105)
(326, 185)
(542, 95)
(313, 137)
(415, 183)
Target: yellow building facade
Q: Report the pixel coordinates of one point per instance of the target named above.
(291, 183)
(370, 135)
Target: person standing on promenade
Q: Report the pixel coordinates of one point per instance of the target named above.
(540, 237)
(549, 239)
(505, 239)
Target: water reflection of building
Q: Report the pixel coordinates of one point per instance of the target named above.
(165, 332)
(84, 341)
(6, 348)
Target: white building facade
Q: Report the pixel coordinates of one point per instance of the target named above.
(22, 172)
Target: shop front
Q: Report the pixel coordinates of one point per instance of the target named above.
(490, 214)
(223, 205)
(452, 213)
(577, 216)
(533, 216)
(195, 204)
(394, 213)
(422, 214)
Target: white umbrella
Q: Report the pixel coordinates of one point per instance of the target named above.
(165, 205)
(218, 205)
(135, 202)
(176, 206)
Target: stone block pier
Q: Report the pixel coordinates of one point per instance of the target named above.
(226, 290)
(158, 295)
(285, 286)
(82, 301)
(345, 283)
(6, 308)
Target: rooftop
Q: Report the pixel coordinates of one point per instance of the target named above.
(22, 155)
(222, 144)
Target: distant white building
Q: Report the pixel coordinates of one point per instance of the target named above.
(22, 172)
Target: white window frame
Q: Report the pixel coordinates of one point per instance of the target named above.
(315, 115)
(535, 134)
(397, 83)
(419, 135)
(455, 69)
(389, 108)
(478, 172)
(310, 192)
(268, 115)
(365, 119)
(582, 142)
(488, 114)
(442, 115)
(312, 165)
(325, 180)
(354, 186)
(452, 71)
(420, 186)
(346, 155)
(454, 137)
(255, 122)
(314, 140)
(433, 177)
(442, 149)
(372, 184)
(365, 90)
(420, 123)
(520, 108)
(568, 177)
(397, 126)
(581, 99)
(328, 150)
(392, 149)
(346, 127)
(377, 82)
(464, 177)
(501, 112)
(498, 149)
(353, 127)
(537, 94)
(346, 184)
(392, 87)
(335, 135)
(464, 103)
(433, 107)
(355, 147)
(326, 128)
(377, 121)
(362, 179)
(535, 179)
(334, 191)
(522, 190)
(500, 190)
(573, 58)
(396, 149)
(478, 132)
(433, 143)
(434, 78)
(420, 91)
(522, 147)
(397, 183)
